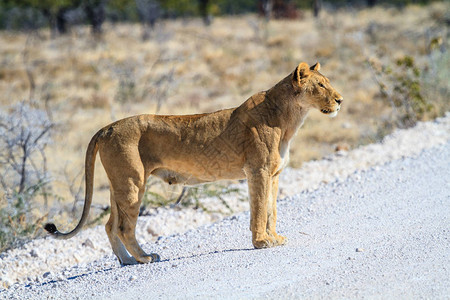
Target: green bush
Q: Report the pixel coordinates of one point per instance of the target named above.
(17, 222)
(401, 86)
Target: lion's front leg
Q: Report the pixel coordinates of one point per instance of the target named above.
(272, 213)
(260, 190)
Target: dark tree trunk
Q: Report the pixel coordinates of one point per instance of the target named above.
(265, 7)
(149, 11)
(317, 6)
(203, 7)
(61, 21)
(95, 13)
(51, 21)
(57, 21)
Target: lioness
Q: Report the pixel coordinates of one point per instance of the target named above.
(250, 141)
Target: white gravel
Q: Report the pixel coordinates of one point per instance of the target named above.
(380, 232)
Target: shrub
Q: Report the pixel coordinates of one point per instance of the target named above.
(400, 86)
(25, 132)
(17, 222)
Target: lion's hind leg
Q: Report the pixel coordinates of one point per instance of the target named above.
(128, 201)
(117, 246)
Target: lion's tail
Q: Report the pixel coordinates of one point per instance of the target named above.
(91, 153)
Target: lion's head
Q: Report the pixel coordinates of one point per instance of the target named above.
(317, 89)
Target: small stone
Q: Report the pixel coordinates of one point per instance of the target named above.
(88, 243)
(61, 277)
(132, 278)
(359, 249)
(33, 253)
(77, 257)
(342, 147)
(152, 231)
(6, 282)
(46, 274)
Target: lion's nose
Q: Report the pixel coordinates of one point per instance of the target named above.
(339, 101)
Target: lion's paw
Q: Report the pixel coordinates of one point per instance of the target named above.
(261, 244)
(265, 242)
(270, 240)
(281, 240)
(149, 258)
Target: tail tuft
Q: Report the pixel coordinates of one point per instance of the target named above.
(50, 227)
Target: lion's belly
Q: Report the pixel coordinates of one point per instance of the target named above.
(193, 167)
(195, 151)
(176, 176)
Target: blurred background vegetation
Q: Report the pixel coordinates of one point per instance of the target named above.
(59, 15)
(68, 68)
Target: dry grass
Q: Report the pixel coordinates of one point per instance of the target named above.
(191, 68)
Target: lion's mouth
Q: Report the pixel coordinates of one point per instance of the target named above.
(330, 113)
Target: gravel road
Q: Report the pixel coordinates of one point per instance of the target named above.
(381, 233)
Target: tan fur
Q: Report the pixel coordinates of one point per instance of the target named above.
(250, 141)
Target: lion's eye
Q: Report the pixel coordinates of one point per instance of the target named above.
(321, 85)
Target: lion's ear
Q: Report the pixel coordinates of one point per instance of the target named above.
(301, 72)
(315, 67)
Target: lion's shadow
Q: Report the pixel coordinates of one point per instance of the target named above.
(205, 254)
(167, 260)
